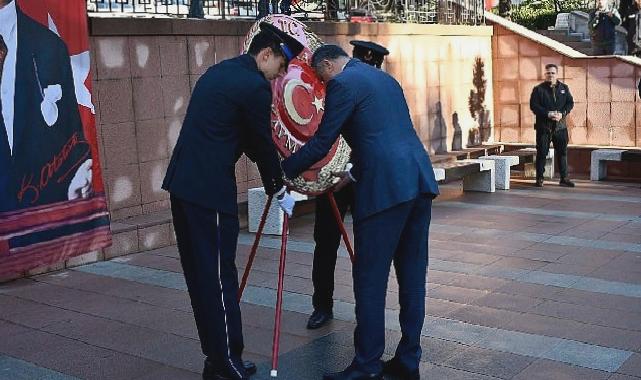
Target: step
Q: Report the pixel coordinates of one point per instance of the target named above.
(571, 38)
(580, 45)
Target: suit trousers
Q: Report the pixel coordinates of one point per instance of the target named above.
(399, 235)
(327, 239)
(559, 137)
(207, 245)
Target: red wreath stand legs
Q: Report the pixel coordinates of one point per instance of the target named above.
(281, 269)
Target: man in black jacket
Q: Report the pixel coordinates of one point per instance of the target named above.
(551, 102)
(602, 24)
(229, 113)
(629, 11)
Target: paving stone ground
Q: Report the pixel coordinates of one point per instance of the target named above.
(523, 284)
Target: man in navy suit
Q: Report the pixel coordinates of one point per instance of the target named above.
(393, 190)
(327, 234)
(44, 156)
(229, 113)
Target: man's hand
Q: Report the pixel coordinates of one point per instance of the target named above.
(344, 177)
(555, 115)
(344, 180)
(80, 186)
(285, 201)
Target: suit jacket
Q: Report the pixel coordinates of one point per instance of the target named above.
(368, 107)
(44, 158)
(229, 113)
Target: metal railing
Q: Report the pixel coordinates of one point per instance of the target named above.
(468, 12)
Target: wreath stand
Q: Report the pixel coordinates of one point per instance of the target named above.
(281, 268)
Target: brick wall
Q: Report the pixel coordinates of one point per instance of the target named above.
(144, 70)
(607, 111)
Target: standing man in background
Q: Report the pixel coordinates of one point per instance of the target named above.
(327, 234)
(551, 102)
(229, 113)
(602, 24)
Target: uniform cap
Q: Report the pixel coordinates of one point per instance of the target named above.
(289, 45)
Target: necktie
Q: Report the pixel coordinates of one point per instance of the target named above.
(6, 198)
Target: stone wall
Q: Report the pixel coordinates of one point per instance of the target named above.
(607, 111)
(144, 70)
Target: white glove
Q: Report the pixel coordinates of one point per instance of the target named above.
(286, 201)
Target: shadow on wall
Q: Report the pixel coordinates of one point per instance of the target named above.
(440, 129)
(476, 103)
(457, 140)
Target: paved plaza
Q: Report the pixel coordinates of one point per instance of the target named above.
(523, 284)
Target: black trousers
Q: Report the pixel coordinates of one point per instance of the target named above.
(559, 137)
(327, 237)
(399, 235)
(207, 245)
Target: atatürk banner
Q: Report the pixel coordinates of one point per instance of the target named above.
(52, 201)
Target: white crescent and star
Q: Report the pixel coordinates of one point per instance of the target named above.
(288, 97)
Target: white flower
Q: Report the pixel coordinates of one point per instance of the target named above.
(49, 108)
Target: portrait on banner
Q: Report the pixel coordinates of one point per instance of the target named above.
(50, 185)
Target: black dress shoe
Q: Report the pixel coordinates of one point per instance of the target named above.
(250, 367)
(566, 182)
(319, 318)
(394, 368)
(352, 374)
(211, 373)
(539, 182)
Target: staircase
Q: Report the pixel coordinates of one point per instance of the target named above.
(574, 40)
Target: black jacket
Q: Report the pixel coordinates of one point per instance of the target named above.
(603, 27)
(229, 114)
(544, 100)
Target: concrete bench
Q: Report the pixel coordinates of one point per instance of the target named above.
(477, 175)
(439, 174)
(502, 165)
(527, 158)
(598, 158)
(475, 152)
(256, 199)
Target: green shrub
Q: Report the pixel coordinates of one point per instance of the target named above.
(539, 14)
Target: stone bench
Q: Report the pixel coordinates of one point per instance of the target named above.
(475, 152)
(502, 165)
(439, 174)
(527, 158)
(256, 199)
(477, 175)
(598, 158)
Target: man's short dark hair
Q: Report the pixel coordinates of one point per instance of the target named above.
(329, 52)
(550, 65)
(264, 40)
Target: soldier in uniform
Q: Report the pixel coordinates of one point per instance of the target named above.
(327, 235)
(229, 114)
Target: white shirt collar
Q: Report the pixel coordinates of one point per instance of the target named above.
(8, 18)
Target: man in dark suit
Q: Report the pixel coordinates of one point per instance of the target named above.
(44, 157)
(393, 191)
(327, 234)
(228, 114)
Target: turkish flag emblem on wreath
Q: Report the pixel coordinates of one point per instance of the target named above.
(298, 105)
